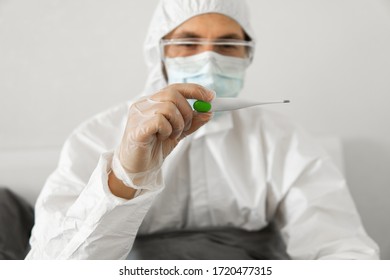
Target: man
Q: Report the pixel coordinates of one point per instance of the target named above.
(155, 165)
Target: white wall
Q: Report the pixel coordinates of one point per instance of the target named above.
(63, 61)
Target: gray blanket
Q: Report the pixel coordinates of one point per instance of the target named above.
(210, 244)
(16, 222)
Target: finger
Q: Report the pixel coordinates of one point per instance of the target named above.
(172, 115)
(163, 128)
(172, 96)
(149, 108)
(198, 120)
(178, 94)
(194, 91)
(158, 126)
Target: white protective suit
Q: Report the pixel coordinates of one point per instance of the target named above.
(242, 169)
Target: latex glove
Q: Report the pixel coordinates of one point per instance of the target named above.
(157, 123)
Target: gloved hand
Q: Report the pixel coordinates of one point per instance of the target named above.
(157, 123)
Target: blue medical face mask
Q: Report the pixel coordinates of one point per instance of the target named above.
(223, 74)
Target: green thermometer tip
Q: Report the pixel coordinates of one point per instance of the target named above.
(202, 106)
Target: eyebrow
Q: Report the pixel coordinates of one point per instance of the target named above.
(193, 35)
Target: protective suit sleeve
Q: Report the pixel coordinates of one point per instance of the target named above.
(77, 217)
(317, 216)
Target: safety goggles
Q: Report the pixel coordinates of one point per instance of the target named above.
(188, 47)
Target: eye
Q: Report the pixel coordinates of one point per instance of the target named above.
(228, 46)
(188, 45)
